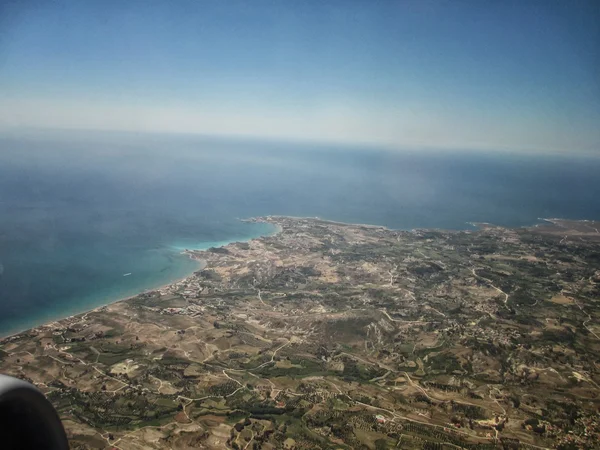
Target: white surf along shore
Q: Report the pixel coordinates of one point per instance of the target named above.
(201, 265)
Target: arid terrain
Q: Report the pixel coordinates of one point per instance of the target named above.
(331, 335)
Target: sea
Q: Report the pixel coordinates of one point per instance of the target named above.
(87, 218)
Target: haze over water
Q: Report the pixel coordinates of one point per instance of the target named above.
(78, 211)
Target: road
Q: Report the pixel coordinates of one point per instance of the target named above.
(491, 285)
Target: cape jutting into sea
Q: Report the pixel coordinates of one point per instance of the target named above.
(86, 219)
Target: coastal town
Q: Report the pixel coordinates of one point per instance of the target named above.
(334, 335)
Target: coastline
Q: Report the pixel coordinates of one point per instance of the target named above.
(276, 230)
(265, 219)
(104, 304)
(171, 348)
(201, 265)
(472, 225)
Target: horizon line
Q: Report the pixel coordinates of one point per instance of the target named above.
(31, 131)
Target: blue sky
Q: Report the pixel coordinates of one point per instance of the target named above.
(431, 73)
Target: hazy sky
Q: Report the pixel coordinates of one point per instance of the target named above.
(475, 74)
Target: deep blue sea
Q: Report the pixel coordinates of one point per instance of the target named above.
(80, 210)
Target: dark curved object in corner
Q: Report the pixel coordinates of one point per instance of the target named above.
(27, 419)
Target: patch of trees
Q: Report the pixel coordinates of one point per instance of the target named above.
(219, 250)
(535, 425)
(564, 336)
(310, 271)
(210, 275)
(434, 433)
(353, 372)
(444, 362)
(561, 411)
(528, 320)
(469, 411)
(443, 387)
(425, 270)
(223, 389)
(593, 258)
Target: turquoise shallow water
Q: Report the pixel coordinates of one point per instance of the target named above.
(145, 268)
(78, 211)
